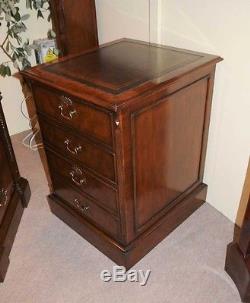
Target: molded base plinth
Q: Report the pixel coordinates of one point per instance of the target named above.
(129, 255)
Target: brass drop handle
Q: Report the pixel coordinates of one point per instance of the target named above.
(3, 197)
(82, 208)
(65, 105)
(70, 114)
(74, 151)
(78, 177)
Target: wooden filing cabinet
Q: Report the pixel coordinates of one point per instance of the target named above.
(125, 130)
(14, 196)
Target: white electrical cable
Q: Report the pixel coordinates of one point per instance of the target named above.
(35, 130)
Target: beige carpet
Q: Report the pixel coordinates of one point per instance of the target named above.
(52, 264)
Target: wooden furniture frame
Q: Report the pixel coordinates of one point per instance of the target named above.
(74, 22)
(11, 209)
(238, 258)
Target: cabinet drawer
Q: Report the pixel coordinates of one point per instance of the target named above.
(6, 183)
(68, 143)
(74, 113)
(78, 177)
(85, 207)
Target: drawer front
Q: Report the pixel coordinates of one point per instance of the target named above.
(85, 207)
(78, 177)
(66, 109)
(6, 183)
(68, 143)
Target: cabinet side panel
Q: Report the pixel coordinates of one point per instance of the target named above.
(167, 144)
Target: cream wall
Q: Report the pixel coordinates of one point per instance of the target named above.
(9, 86)
(138, 19)
(118, 19)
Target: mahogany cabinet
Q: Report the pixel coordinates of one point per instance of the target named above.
(238, 259)
(125, 130)
(74, 22)
(14, 196)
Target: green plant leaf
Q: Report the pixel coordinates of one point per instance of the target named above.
(2, 70)
(8, 71)
(16, 49)
(40, 14)
(5, 70)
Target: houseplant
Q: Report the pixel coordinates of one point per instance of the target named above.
(15, 48)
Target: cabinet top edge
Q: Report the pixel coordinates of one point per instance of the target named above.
(118, 71)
